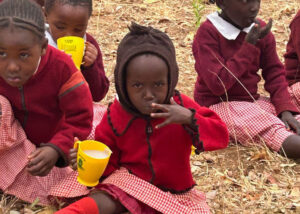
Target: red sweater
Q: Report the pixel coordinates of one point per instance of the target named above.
(160, 156)
(54, 105)
(292, 56)
(95, 75)
(223, 65)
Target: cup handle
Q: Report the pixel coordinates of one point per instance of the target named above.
(76, 144)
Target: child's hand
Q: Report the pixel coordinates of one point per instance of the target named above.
(90, 54)
(73, 158)
(42, 160)
(257, 32)
(173, 113)
(290, 121)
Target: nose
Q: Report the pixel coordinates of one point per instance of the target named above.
(13, 66)
(148, 94)
(254, 6)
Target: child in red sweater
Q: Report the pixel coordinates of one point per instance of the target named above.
(292, 60)
(48, 95)
(229, 49)
(150, 129)
(70, 18)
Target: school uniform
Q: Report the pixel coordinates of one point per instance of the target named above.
(157, 160)
(228, 78)
(54, 105)
(94, 74)
(292, 60)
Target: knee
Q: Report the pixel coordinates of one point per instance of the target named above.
(106, 204)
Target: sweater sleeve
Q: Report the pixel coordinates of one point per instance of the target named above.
(76, 102)
(212, 68)
(95, 74)
(273, 73)
(295, 35)
(211, 130)
(105, 135)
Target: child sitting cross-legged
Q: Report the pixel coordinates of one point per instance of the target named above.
(230, 48)
(150, 129)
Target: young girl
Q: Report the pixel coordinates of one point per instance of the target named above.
(49, 96)
(229, 49)
(14, 178)
(150, 130)
(292, 60)
(70, 18)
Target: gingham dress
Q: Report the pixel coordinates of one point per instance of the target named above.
(253, 123)
(15, 180)
(139, 196)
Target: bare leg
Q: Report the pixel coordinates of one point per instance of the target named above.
(106, 204)
(291, 147)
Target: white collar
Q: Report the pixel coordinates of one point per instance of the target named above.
(227, 30)
(50, 38)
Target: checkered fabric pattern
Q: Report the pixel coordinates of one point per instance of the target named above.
(99, 111)
(191, 202)
(15, 180)
(295, 94)
(251, 123)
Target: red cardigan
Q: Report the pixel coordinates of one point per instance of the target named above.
(292, 55)
(95, 75)
(216, 58)
(160, 156)
(54, 105)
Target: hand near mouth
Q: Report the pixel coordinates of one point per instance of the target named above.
(257, 32)
(173, 113)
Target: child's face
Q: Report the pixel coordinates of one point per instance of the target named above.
(146, 82)
(240, 13)
(67, 20)
(20, 52)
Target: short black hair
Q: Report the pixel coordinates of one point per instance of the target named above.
(85, 3)
(24, 14)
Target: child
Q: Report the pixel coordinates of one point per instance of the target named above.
(70, 18)
(14, 149)
(229, 49)
(292, 60)
(48, 94)
(150, 130)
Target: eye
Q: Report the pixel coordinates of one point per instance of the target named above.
(2, 54)
(60, 27)
(24, 55)
(77, 30)
(159, 84)
(137, 85)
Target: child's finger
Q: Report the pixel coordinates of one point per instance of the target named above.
(162, 107)
(160, 115)
(166, 122)
(33, 154)
(266, 29)
(172, 101)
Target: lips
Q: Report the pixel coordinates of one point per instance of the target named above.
(13, 80)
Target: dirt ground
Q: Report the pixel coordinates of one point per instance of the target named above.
(236, 179)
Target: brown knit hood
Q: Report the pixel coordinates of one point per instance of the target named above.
(140, 40)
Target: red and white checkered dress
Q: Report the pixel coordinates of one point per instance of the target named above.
(295, 94)
(251, 123)
(15, 180)
(139, 196)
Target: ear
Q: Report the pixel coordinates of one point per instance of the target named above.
(44, 46)
(45, 13)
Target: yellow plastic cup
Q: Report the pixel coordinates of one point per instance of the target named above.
(92, 159)
(74, 46)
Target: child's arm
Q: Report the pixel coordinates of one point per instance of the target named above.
(93, 70)
(205, 123)
(295, 34)
(220, 74)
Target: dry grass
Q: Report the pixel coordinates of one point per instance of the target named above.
(237, 179)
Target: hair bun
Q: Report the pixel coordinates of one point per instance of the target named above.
(135, 28)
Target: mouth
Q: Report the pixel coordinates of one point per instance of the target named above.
(13, 80)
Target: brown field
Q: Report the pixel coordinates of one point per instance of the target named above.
(237, 179)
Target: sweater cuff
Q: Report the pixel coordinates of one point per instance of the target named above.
(62, 159)
(193, 130)
(286, 107)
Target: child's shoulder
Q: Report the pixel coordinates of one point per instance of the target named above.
(296, 19)
(91, 39)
